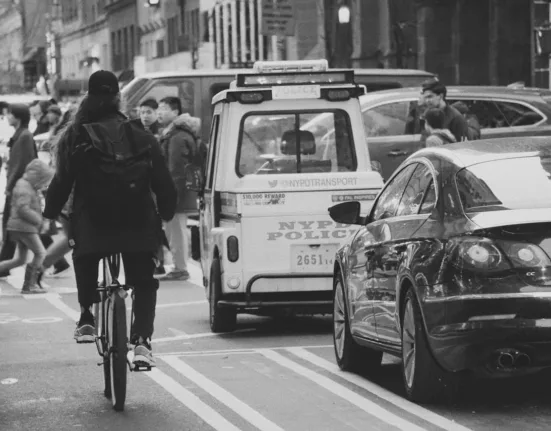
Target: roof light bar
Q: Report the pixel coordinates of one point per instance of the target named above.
(291, 66)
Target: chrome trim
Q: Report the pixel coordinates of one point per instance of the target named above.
(492, 317)
(543, 295)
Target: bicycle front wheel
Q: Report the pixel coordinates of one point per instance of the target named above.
(101, 345)
(118, 345)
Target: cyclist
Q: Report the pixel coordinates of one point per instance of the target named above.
(95, 226)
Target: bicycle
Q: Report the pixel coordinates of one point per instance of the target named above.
(112, 335)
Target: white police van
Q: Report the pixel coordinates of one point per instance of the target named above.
(273, 170)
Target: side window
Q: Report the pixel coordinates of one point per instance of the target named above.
(211, 159)
(518, 115)
(391, 119)
(387, 204)
(183, 89)
(429, 201)
(486, 112)
(414, 191)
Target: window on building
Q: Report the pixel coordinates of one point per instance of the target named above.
(195, 25)
(206, 30)
(172, 35)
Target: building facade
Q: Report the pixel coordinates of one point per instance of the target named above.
(11, 50)
(175, 36)
(84, 43)
(235, 27)
(122, 22)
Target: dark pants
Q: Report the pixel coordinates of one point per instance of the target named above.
(138, 269)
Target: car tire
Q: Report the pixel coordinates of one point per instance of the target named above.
(424, 380)
(221, 319)
(350, 355)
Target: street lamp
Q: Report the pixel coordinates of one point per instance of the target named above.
(344, 14)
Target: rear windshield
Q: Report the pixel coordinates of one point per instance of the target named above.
(296, 142)
(519, 183)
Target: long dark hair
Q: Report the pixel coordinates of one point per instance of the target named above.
(92, 109)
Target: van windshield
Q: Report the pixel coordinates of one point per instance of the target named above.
(296, 143)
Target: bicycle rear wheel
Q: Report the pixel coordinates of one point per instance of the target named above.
(118, 344)
(101, 345)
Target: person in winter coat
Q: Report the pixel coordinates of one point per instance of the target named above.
(22, 150)
(434, 96)
(138, 239)
(180, 143)
(435, 119)
(25, 223)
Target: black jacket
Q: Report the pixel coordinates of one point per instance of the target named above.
(88, 237)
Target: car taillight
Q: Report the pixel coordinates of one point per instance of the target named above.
(485, 254)
(233, 248)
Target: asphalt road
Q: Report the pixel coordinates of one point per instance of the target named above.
(269, 375)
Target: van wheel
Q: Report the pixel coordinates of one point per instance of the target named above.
(424, 380)
(221, 319)
(349, 354)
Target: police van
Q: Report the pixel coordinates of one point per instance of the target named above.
(273, 170)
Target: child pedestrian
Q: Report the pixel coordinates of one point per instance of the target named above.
(434, 124)
(25, 223)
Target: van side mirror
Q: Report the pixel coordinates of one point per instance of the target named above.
(347, 213)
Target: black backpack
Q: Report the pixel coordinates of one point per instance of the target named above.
(116, 185)
(194, 170)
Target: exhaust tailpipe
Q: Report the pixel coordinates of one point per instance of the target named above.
(505, 360)
(522, 360)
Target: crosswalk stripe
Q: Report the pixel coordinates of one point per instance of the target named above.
(352, 397)
(191, 401)
(380, 392)
(226, 398)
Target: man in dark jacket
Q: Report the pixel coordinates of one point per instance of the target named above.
(434, 96)
(22, 151)
(97, 234)
(148, 116)
(180, 145)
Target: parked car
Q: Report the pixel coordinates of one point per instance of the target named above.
(450, 270)
(393, 126)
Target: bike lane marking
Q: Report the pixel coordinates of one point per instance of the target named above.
(379, 391)
(229, 400)
(370, 407)
(191, 401)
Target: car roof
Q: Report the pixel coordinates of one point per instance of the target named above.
(492, 92)
(233, 72)
(464, 154)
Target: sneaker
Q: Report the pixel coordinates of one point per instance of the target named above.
(60, 271)
(143, 357)
(160, 270)
(175, 276)
(33, 290)
(85, 331)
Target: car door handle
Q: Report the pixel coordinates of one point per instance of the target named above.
(369, 253)
(397, 153)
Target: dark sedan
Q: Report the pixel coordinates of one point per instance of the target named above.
(451, 270)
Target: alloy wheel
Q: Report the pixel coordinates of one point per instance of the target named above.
(339, 323)
(408, 344)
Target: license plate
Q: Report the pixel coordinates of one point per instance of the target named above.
(296, 92)
(307, 258)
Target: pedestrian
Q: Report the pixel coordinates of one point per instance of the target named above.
(25, 222)
(148, 119)
(59, 246)
(438, 135)
(22, 150)
(39, 110)
(472, 121)
(434, 96)
(113, 211)
(180, 143)
(148, 116)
